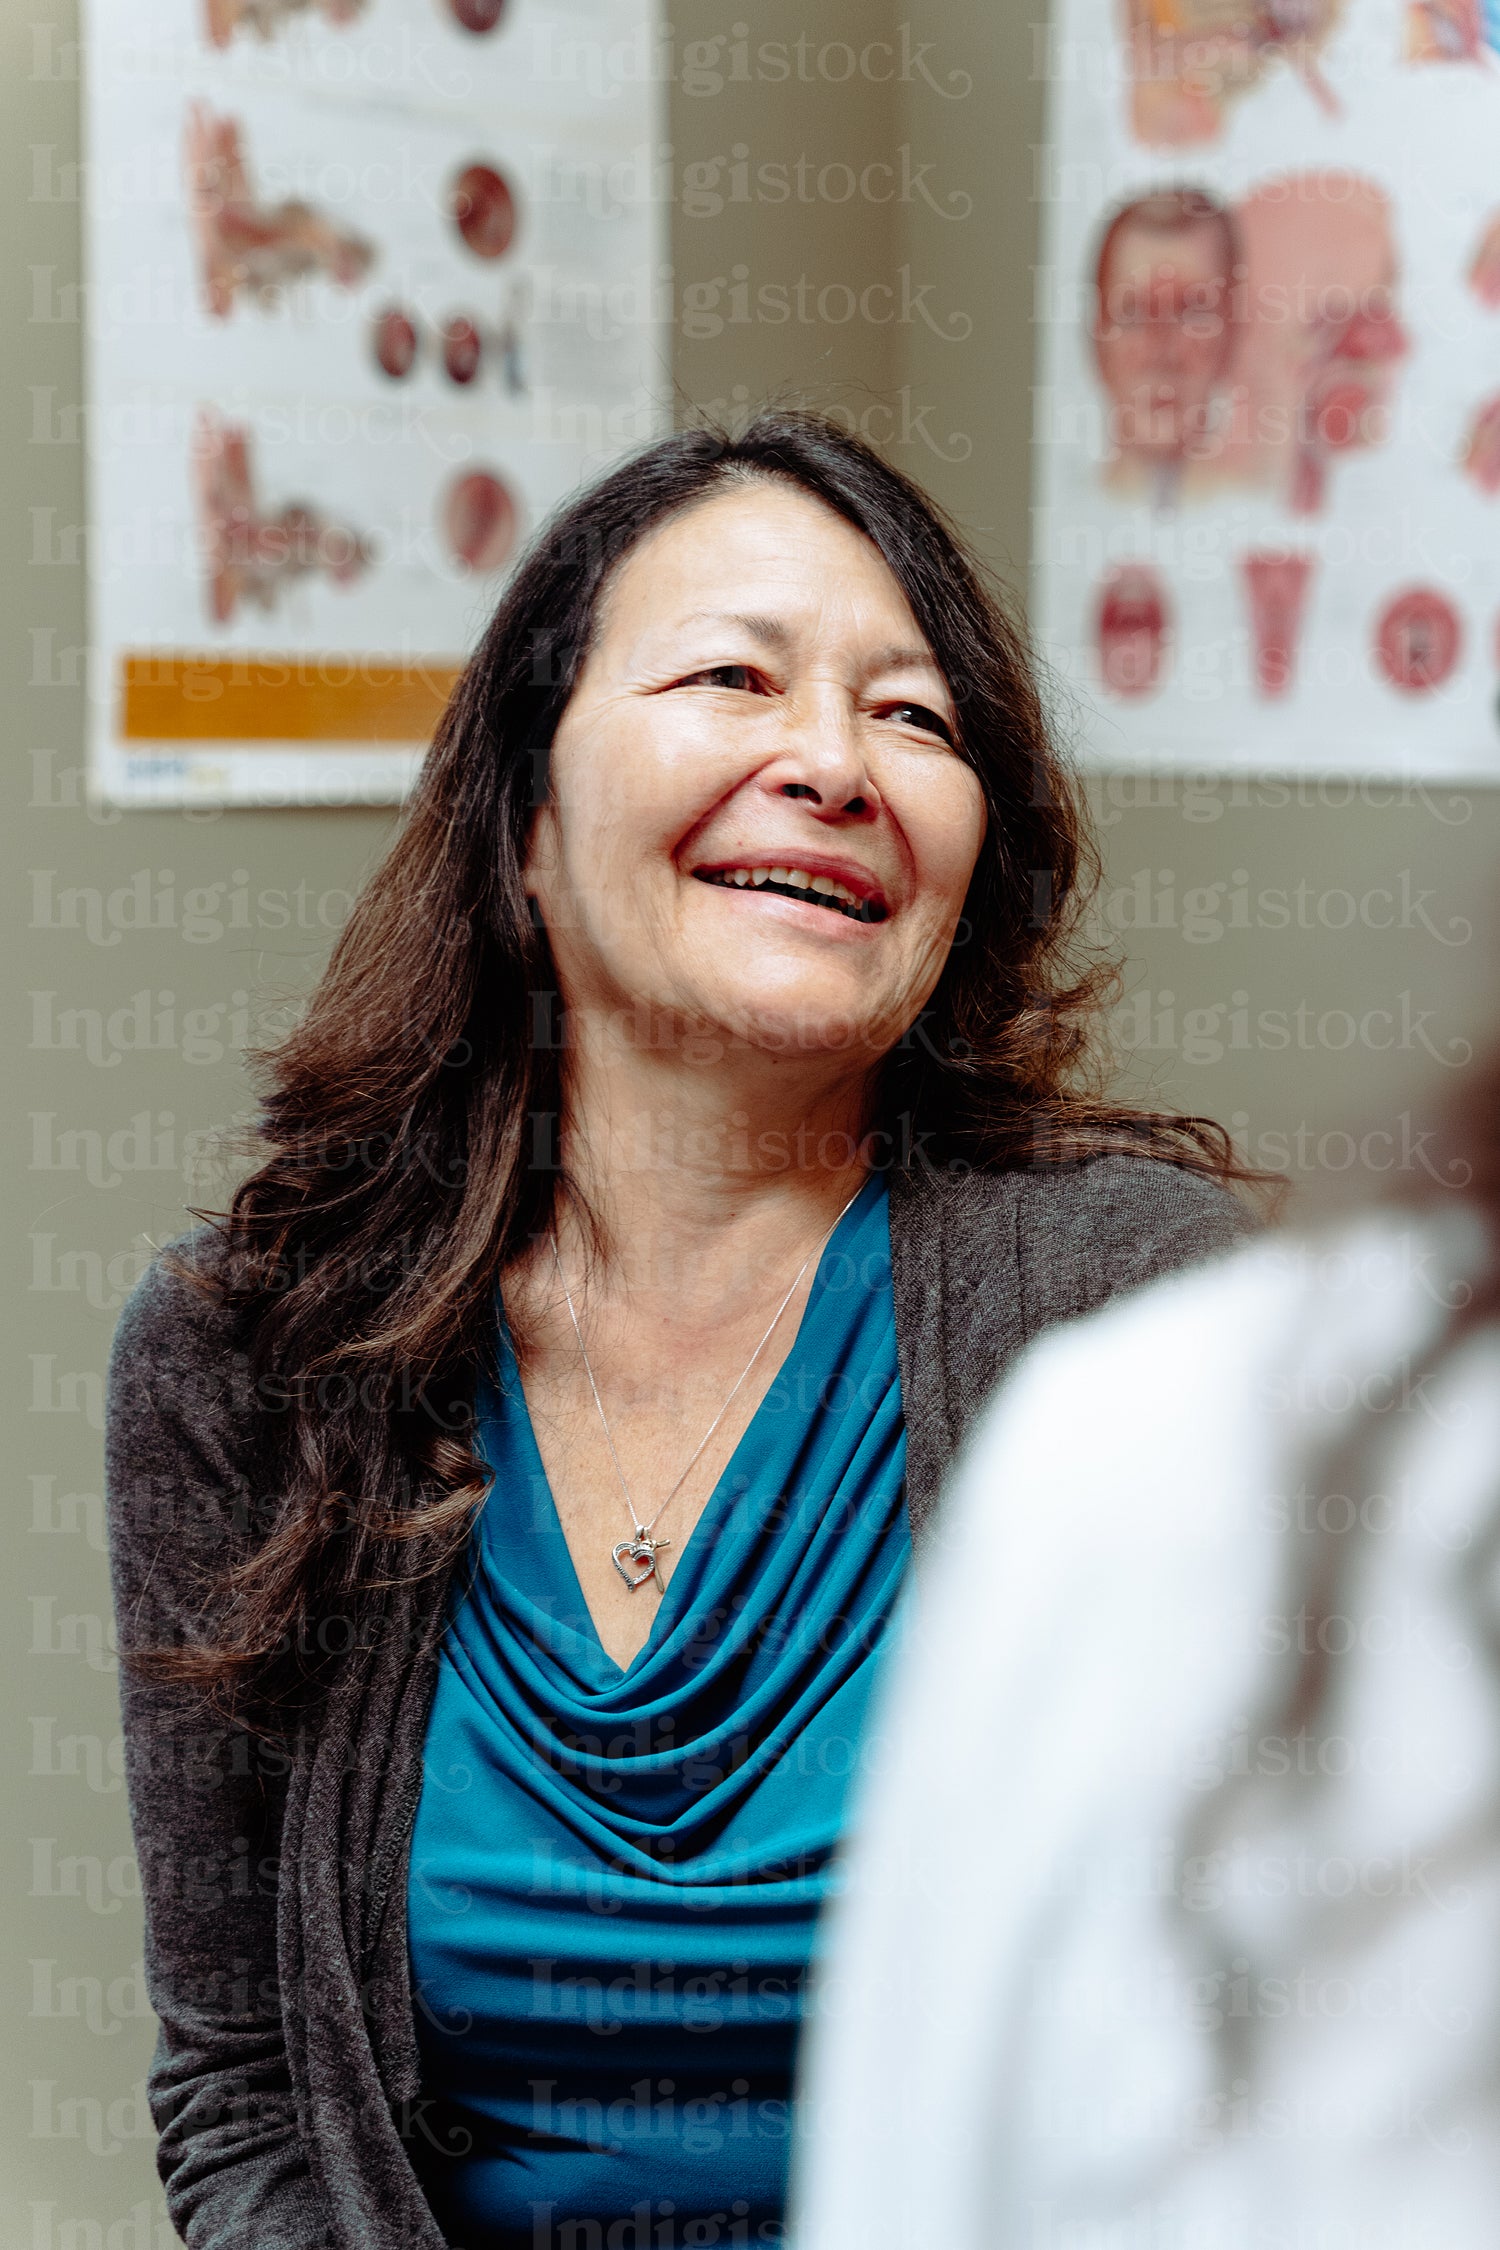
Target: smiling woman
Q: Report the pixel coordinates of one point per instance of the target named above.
(510, 1495)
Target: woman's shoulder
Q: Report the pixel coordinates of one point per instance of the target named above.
(1142, 1213)
(179, 1350)
(179, 1301)
(1077, 1234)
(182, 1439)
(1136, 1186)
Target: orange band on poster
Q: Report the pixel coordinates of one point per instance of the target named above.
(1196, 18)
(174, 697)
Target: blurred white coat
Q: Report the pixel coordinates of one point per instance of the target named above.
(1173, 1918)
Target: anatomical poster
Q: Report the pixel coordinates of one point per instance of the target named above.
(1268, 408)
(371, 286)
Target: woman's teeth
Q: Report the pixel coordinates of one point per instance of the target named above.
(794, 882)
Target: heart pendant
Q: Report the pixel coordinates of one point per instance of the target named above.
(635, 1559)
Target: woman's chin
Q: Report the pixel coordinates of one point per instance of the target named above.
(788, 1027)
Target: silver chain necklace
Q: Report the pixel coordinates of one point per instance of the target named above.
(635, 1558)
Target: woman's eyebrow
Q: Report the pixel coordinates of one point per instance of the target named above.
(768, 630)
(906, 657)
(896, 656)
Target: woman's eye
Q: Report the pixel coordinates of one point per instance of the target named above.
(722, 675)
(918, 715)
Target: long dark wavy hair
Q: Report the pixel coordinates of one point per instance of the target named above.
(408, 1122)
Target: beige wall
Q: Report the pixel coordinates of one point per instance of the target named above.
(106, 1146)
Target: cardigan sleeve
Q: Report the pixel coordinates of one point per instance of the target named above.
(1089, 1235)
(984, 1262)
(205, 1797)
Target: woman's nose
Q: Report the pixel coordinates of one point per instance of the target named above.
(861, 802)
(824, 765)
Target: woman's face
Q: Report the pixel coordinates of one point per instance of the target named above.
(758, 826)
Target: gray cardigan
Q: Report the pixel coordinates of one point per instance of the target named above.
(285, 2082)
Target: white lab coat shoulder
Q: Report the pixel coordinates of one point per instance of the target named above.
(1288, 1340)
(1208, 1616)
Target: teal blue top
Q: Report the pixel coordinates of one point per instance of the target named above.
(615, 1875)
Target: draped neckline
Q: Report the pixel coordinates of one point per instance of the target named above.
(732, 1479)
(768, 1614)
(617, 1872)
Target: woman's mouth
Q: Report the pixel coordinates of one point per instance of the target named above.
(796, 883)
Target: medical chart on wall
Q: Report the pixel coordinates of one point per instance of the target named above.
(371, 286)
(1268, 407)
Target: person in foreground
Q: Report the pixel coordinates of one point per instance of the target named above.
(1173, 1918)
(510, 1495)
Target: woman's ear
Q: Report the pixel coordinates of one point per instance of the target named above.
(540, 862)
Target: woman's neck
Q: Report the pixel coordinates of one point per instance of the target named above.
(707, 1178)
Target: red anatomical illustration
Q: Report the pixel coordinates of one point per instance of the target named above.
(1447, 31)
(395, 341)
(463, 349)
(468, 347)
(484, 210)
(1132, 630)
(1190, 60)
(1163, 335)
(1318, 349)
(223, 18)
(1253, 344)
(249, 556)
(1418, 640)
(1484, 267)
(476, 15)
(1481, 457)
(480, 521)
(1276, 586)
(244, 245)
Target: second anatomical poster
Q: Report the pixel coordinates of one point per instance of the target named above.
(371, 287)
(1268, 412)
